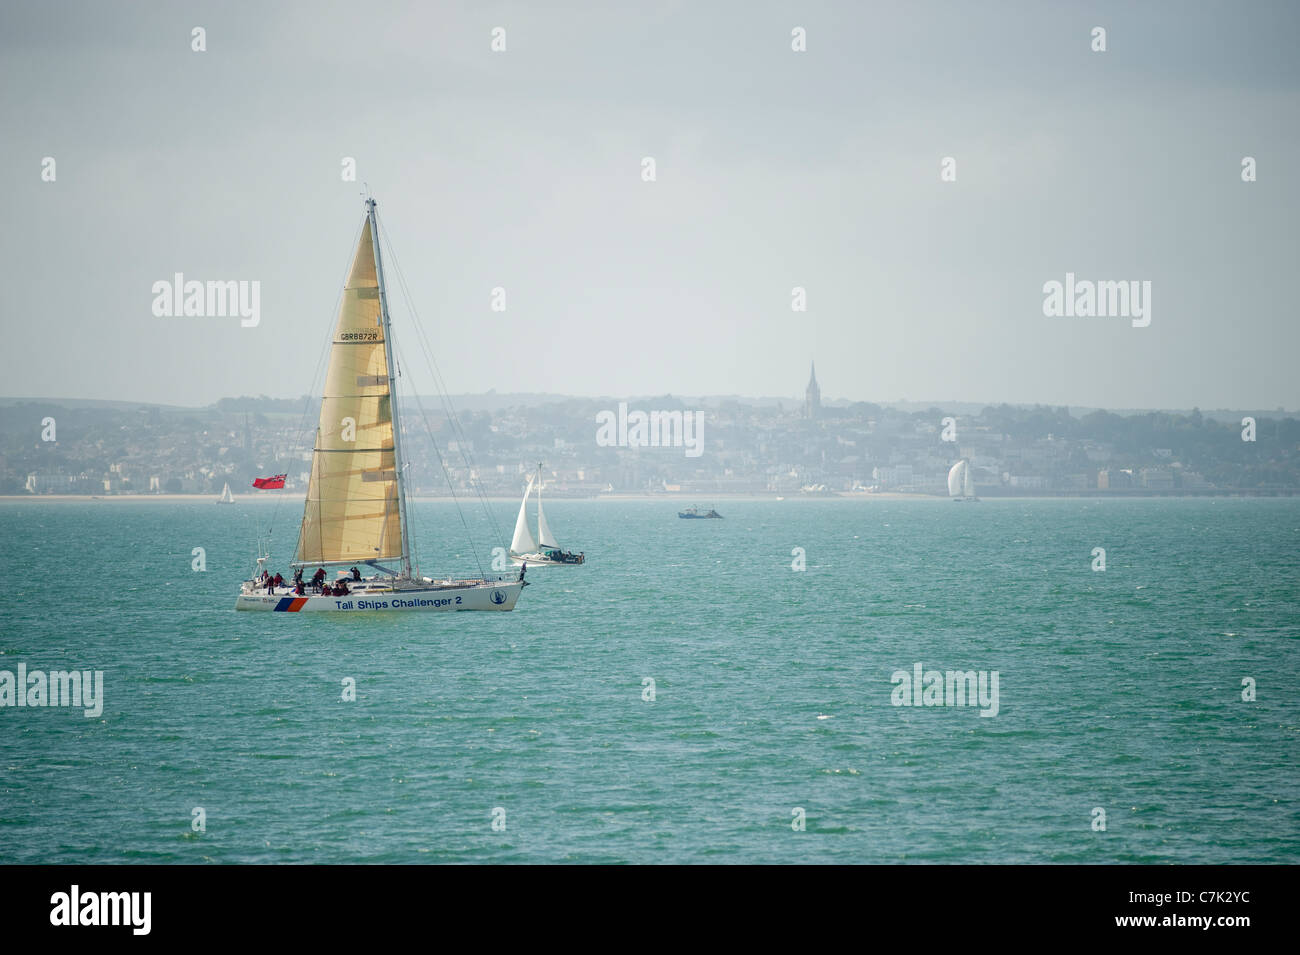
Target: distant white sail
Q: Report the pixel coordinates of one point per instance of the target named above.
(522, 542)
(226, 496)
(957, 478)
(960, 481)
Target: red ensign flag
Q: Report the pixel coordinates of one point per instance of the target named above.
(271, 483)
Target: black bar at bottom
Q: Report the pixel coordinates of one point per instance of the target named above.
(947, 904)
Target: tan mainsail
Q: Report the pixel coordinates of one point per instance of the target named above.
(352, 511)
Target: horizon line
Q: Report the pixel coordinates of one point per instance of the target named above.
(826, 402)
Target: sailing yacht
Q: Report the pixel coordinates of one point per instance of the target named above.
(544, 551)
(960, 485)
(355, 514)
(226, 496)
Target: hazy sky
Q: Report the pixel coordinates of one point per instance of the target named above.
(775, 169)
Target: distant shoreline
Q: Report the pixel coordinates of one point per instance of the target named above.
(677, 499)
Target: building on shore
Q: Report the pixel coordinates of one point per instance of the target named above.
(812, 401)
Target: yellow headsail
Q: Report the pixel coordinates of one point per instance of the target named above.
(353, 511)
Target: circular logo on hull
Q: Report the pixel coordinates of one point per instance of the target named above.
(498, 597)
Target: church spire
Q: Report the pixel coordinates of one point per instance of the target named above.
(812, 403)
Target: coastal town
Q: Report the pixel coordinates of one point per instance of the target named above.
(662, 445)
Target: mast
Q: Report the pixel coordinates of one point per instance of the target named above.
(399, 466)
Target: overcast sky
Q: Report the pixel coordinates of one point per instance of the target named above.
(523, 169)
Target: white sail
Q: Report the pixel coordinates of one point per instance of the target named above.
(968, 483)
(522, 542)
(955, 478)
(226, 496)
(544, 535)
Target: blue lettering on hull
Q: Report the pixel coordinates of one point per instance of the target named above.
(397, 603)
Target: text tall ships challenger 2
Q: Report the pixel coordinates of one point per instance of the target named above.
(356, 510)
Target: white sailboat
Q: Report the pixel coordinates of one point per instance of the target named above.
(544, 551)
(356, 515)
(960, 485)
(226, 496)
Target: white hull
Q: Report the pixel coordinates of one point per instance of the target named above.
(537, 560)
(459, 595)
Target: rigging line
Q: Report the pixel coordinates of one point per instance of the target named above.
(449, 409)
(257, 537)
(450, 414)
(467, 456)
(469, 536)
(464, 448)
(427, 349)
(320, 360)
(409, 530)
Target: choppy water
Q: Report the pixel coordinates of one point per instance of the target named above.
(1119, 690)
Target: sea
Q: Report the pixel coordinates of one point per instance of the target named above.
(708, 691)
